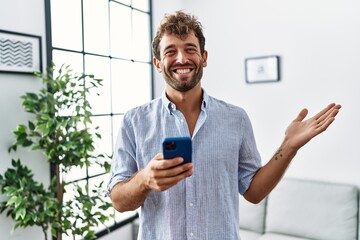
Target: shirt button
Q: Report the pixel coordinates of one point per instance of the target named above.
(191, 234)
(191, 204)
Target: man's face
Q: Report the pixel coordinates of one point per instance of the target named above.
(181, 61)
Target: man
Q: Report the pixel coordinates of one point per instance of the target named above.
(197, 200)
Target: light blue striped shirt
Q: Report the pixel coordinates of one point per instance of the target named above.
(204, 206)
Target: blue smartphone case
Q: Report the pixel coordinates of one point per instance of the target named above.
(177, 147)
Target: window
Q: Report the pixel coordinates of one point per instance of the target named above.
(112, 40)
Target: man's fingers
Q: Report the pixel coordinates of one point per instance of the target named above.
(163, 164)
(159, 156)
(327, 114)
(324, 125)
(173, 171)
(324, 115)
(303, 113)
(163, 184)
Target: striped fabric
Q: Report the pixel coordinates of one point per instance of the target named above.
(225, 158)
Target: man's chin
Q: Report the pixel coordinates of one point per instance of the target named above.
(181, 87)
(183, 77)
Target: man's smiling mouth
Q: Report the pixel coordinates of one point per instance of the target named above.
(183, 70)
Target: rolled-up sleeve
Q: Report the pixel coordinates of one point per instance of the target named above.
(249, 157)
(123, 164)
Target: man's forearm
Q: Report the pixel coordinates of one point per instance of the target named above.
(270, 174)
(130, 194)
(297, 134)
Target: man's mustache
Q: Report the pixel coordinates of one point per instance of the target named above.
(188, 65)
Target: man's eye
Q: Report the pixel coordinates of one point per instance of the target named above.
(169, 53)
(191, 50)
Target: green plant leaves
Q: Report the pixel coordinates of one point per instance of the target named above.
(61, 129)
(26, 197)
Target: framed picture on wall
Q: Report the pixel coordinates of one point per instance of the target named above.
(262, 69)
(19, 52)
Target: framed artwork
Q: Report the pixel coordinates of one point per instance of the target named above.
(262, 69)
(19, 52)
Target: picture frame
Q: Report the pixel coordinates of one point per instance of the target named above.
(20, 52)
(262, 69)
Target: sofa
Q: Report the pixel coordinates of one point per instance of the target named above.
(300, 209)
(303, 210)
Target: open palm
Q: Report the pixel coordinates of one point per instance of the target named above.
(300, 132)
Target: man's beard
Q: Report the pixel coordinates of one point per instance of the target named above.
(178, 84)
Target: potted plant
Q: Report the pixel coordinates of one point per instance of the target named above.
(62, 130)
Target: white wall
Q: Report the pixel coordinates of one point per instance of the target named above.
(159, 9)
(318, 42)
(25, 16)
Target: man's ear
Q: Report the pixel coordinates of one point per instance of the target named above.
(157, 64)
(205, 56)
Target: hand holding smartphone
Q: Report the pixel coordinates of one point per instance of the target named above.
(177, 147)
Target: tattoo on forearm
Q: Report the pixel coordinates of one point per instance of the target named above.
(278, 154)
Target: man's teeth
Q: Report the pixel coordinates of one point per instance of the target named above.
(182, 71)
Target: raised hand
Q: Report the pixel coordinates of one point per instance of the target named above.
(300, 132)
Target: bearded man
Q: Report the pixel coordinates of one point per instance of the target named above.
(200, 199)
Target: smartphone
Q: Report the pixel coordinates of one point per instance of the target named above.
(177, 147)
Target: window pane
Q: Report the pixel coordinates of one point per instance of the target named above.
(130, 86)
(122, 216)
(120, 17)
(127, 2)
(141, 36)
(70, 193)
(103, 145)
(70, 190)
(66, 24)
(75, 60)
(117, 49)
(75, 173)
(94, 184)
(96, 26)
(141, 4)
(100, 67)
(117, 119)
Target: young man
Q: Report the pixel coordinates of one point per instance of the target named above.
(197, 200)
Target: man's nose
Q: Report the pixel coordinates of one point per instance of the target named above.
(181, 57)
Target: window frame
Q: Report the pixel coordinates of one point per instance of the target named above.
(49, 59)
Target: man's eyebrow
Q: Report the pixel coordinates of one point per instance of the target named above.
(169, 46)
(191, 45)
(186, 45)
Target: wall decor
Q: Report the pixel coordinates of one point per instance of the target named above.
(19, 52)
(262, 69)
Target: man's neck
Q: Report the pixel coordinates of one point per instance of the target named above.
(186, 102)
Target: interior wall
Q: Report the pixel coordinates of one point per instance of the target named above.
(317, 42)
(24, 16)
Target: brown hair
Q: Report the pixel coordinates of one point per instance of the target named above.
(180, 24)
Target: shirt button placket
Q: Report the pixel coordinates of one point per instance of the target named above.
(184, 126)
(191, 208)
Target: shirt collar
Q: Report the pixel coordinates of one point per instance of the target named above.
(170, 106)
